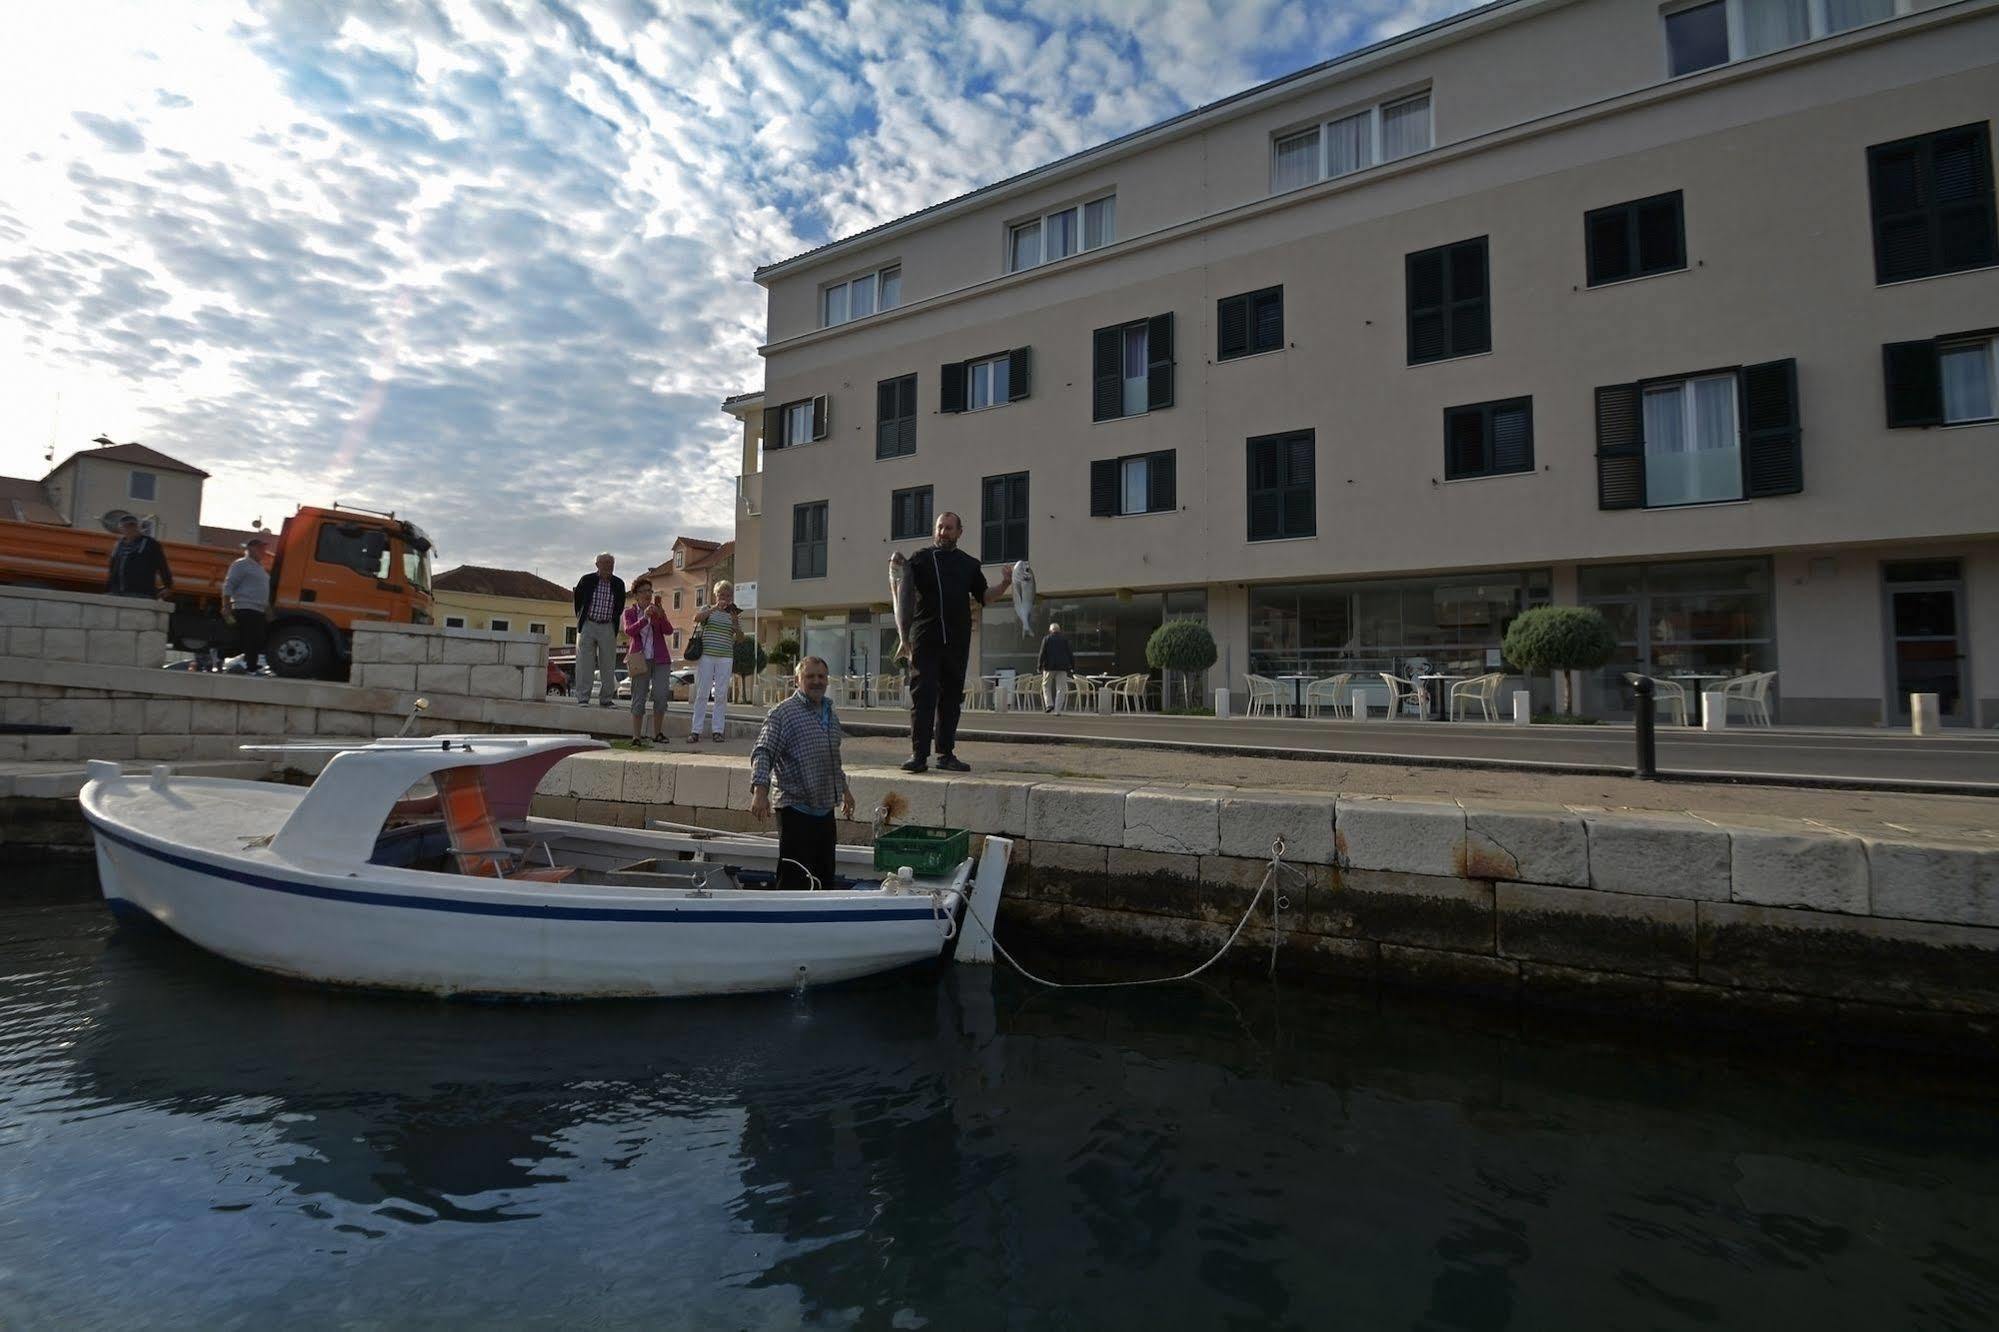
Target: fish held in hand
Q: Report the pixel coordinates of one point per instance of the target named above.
(1023, 595)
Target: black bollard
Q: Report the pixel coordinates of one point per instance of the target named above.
(1648, 755)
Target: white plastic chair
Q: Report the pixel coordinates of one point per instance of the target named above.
(1480, 689)
(1081, 695)
(1131, 692)
(978, 692)
(1026, 694)
(1667, 696)
(1400, 691)
(1753, 693)
(1262, 695)
(1333, 693)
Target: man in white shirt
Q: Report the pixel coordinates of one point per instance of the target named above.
(246, 598)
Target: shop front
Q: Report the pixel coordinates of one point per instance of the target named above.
(1108, 631)
(1693, 621)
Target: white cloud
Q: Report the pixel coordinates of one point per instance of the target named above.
(489, 262)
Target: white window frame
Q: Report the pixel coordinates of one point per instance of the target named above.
(1323, 127)
(569, 636)
(534, 628)
(1818, 23)
(1991, 346)
(996, 368)
(454, 622)
(1040, 223)
(1135, 386)
(500, 625)
(872, 281)
(132, 487)
(791, 419)
(1134, 471)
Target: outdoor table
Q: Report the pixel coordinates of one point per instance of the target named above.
(992, 683)
(1441, 691)
(1298, 683)
(1697, 714)
(1106, 701)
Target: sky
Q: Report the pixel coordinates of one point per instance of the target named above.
(489, 263)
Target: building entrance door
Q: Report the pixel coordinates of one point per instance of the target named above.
(1926, 636)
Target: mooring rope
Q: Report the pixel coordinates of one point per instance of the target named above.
(1277, 903)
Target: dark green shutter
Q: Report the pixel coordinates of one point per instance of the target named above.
(1106, 374)
(1512, 445)
(1620, 447)
(1773, 461)
(1018, 368)
(819, 414)
(1470, 308)
(905, 410)
(1160, 492)
(951, 387)
(1429, 337)
(886, 398)
(1300, 486)
(992, 519)
(1912, 373)
(1464, 442)
(773, 427)
(1159, 363)
(1104, 488)
(1607, 244)
(1231, 327)
(1266, 505)
(1016, 513)
(1266, 317)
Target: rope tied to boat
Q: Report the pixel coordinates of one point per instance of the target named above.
(1278, 904)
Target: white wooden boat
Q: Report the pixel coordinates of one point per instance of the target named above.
(413, 864)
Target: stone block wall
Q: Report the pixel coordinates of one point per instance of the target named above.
(468, 663)
(82, 627)
(1631, 917)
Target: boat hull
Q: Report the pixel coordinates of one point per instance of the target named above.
(452, 935)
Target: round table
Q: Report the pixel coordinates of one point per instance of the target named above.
(1298, 683)
(1697, 714)
(1442, 693)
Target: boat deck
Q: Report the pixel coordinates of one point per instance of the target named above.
(209, 814)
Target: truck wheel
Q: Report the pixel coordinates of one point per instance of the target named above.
(299, 651)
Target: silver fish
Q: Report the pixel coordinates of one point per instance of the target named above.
(1023, 595)
(898, 595)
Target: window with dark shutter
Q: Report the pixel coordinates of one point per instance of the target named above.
(773, 427)
(951, 387)
(895, 417)
(1635, 239)
(1450, 311)
(1159, 363)
(1932, 202)
(1772, 458)
(1134, 484)
(1131, 368)
(1019, 363)
(1489, 439)
(1250, 323)
(1003, 518)
(1620, 447)
(910, 513)
(1161, 493)
(1231, 327)
(1104, 473)
(819, 417)
(1913, 375)
(1106, 374)
(1282, 490)
(808, 540)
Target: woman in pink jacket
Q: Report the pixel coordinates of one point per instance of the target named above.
(648, 636)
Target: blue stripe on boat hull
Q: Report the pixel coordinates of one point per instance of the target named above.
(363, 897)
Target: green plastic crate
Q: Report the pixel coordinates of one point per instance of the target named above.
(930, 852)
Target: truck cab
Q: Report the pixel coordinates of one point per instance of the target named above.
(335, 567)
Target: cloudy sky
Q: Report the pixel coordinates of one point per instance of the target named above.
(488, 261)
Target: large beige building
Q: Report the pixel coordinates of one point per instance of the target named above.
(1681, 311)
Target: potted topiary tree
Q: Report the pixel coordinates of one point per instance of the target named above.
(1180, 647)
(784, 654)
(1560, 639)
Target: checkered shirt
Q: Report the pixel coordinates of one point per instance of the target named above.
(801, 742)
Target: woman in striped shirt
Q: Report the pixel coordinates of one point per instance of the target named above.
(718, 623)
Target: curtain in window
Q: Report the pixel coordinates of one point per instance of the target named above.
(891, 288)
(1061, 229)
(1350, 144)
(862, 301)
(836, 305)
(1026, 246)
(1100, 221)
(1843, 14)
(1967, 382)
(1405, 127)
(1713, 413)
(1665, 420)
(1134, 486)
(1769, 25)
(1136, 356)
(1297, 161)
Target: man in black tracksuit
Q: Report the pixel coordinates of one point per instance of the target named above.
(942, 583)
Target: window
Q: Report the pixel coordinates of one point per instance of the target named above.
(1636, 239)
(1932, 203)
(1950, 380)
(1350, 142)
(857, 298)
(1248, 324)
(1489, 439)
(365, 550)
(1703, 36)
(1449, 312)
(895, 417)
(534, 628)
(909, 513)
(1282, 502)
(1131, 368)
(968, 386)
(569, 636)
(1003, 519)
(676, 598)
(795, 423)
(1059, 234)
(1699, 439)
(1142, 483)
(500, 626)
(808, 540)
(700, 597)
(454, 622)
(143, 486)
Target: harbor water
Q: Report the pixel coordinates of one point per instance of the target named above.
(186, 1144)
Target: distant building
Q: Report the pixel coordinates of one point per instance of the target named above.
(686, 579)
(771, 622)
(96, 487)
(505, 601)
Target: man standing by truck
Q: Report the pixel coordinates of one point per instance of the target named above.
(600, 602)
(138, 564)
(246, 599)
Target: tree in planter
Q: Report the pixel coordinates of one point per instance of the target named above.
(1560, 639)
(784, 655)
(750, 657)
(1183, 647)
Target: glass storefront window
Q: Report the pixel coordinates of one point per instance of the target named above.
(1697, 617)
(1107, 633)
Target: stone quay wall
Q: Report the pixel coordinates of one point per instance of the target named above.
(77, 626)
(1635, 918)
(426, 659)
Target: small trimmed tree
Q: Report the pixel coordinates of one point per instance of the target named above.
(1560, 639)
(784, 655)
(1183, 647)
(750, 657)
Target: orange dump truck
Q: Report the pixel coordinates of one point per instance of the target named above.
(329, 569)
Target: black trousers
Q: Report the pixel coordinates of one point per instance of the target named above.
(250, 637)
(936, 692)
(804, 842)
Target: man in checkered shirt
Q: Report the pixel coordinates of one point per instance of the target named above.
(800, 745)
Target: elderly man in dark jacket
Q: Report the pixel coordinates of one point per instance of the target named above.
(600, 601)
(1056, 661)
(138, 564)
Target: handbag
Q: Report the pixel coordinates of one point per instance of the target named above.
(636, 663)
(694, 648)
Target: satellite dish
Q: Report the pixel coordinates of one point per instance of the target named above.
(113, 517)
